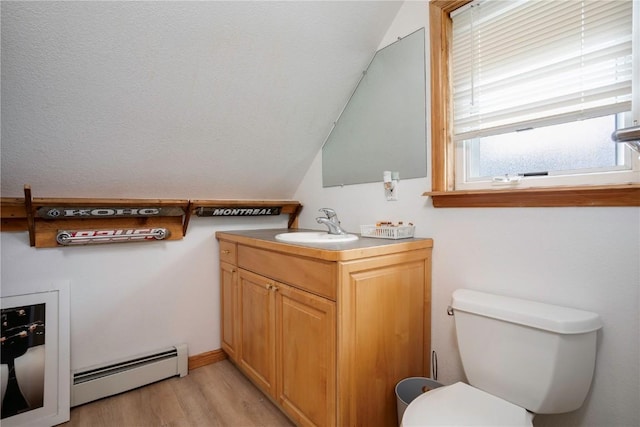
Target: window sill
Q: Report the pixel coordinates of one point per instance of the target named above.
(611, 195)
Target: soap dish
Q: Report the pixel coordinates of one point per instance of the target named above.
(387, 232)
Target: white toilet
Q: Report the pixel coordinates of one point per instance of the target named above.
(521, 358)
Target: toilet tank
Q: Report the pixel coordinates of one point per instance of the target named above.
(538, 356)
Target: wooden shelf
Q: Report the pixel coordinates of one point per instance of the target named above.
(45, 218)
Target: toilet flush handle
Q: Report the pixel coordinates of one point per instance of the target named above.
(450, 311)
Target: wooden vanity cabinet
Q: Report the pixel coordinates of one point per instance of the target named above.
(327, 339)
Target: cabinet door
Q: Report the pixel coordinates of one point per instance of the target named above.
(257, 329)
(229, 309)
(306, 356)
(384, 314)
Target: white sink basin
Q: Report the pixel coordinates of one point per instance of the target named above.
(315, 237)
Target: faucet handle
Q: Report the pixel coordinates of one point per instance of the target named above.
(330, 213)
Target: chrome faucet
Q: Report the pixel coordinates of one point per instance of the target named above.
(331, 221)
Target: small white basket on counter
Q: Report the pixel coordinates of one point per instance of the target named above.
(387, 231)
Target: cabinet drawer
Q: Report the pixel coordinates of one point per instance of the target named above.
(228, 252)
(316, 276)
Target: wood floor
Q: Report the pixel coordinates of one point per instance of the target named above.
(213, 395)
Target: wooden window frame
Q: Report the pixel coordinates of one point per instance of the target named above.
(442, 148)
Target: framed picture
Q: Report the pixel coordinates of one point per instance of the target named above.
(35, 369)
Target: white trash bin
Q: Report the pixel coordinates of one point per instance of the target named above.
(410, 388)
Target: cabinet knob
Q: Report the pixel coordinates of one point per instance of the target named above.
(268, 286)
(226, 252)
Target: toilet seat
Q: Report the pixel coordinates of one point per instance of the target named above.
(462, 405)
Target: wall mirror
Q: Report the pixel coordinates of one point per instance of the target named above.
(383, 126)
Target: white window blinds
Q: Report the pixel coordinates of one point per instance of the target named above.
(519, 64)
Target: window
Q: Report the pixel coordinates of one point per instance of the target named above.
(533, 105)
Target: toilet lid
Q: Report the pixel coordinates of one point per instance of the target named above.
(462, 405)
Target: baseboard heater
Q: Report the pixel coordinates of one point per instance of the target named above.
(106, 380)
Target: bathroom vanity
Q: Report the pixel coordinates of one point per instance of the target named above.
(327, 330)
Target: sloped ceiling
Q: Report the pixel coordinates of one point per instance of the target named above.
(176, 99)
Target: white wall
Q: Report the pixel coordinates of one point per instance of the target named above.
(130, 298)
(587, 258)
